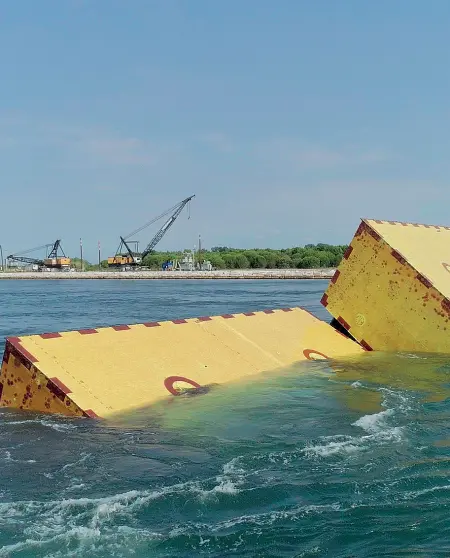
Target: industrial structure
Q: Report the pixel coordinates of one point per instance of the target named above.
(55, 259)
(390, 293)
(127, 258)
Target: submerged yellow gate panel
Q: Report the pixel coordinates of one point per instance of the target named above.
(392, 289)
(100, 372)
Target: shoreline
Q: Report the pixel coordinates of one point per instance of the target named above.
(228, 274)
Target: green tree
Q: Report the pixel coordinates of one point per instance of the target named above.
(309, 262)
(284, 261)
(216, 261)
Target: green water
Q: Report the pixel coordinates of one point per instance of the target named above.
(339, 459)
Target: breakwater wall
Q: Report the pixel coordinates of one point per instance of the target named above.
(149, 275)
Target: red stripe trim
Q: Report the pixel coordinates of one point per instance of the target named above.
(90, 413)
(360, 229)
(366, 345)
(404, 224)
(120, 327)
(60, 385)
(16, 343)
(56, 390)
(179, 322)
(87, 331)
(446, 305)
(286, 309)
(398, 257)
(343, 323)
(335, 276)
(373, 234)
(324, 300)
(424, 280)
(392, 222)
(227, 316)
(379, 222)
(204, 319)
(50, 335)
(348, 252)
(249, 313)
(152, 324)
(268, 311)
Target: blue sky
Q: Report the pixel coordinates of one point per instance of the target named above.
(289, 120)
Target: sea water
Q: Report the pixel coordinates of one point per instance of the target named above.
(349, 460)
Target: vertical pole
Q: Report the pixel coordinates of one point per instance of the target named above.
(1, 258)
(99, 257)
(81, 253)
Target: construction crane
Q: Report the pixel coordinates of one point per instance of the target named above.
(126, 257)
(53, 261)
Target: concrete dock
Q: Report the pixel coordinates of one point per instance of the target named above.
(217, 274)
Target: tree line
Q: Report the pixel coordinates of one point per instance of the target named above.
(223, 257)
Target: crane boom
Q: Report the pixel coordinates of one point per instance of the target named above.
(24, 259)
(52, 261)
(162, 231)
(132, 258)
(54, 251)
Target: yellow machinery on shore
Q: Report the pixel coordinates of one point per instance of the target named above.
(391, 293)
(55, 260)
(132, 258)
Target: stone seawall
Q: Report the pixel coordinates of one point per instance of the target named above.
(218, 274)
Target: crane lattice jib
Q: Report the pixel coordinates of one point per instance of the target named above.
(54, 251)
(162, 231)
(23, 259)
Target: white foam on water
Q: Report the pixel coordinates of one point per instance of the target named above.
(269, 518)
(8, 457)
(333, 448)
(416, 493)
(377, 427)
(232, 477)
(58, 426)
(374, 423)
